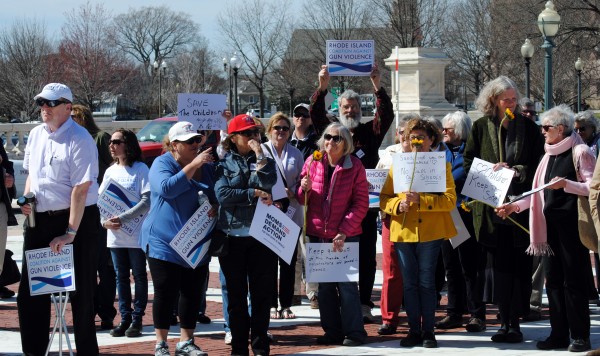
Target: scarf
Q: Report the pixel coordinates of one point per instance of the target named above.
(538, 236)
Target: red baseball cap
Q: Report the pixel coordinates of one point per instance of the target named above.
(242, 122)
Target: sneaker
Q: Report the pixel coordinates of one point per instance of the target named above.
(449, 322)
(386, 329)
(552, 343)
(228, 338)
(429, 340)
(500, 335)
(161, 349)
(580, 345)
(368, 318)
(120, 329)
(349, 341)
(7, 293)
(134, 330)
(203, 319)
(475, 325)
(189, 349)
(514, 336)
(411, 340)
(314, 302)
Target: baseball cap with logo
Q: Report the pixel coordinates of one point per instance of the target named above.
(242, 122)
(182, 131)
(55, 91)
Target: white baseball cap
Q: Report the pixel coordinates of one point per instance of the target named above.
(182, 131)
(55, 91)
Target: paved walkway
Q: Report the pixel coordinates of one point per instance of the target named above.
(293, 337)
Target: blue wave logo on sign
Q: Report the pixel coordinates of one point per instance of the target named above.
(363, 67)
(61, 280)
(116, 193)
(196, 250)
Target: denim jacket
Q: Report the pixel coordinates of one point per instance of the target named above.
(236, 179)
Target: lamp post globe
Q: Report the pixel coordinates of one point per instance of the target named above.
(527, 51)
(548, 23)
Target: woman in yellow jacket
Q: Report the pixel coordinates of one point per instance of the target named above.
(418, 241)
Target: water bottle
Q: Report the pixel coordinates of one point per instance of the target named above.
(202, 198)
(28, 198)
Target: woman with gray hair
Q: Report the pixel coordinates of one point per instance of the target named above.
(568, 166)
(334, 187)
(512, 142)
(586, 125)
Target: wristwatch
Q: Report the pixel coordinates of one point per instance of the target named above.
(260, 158)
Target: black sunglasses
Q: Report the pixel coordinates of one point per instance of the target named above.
(281, 128)
(580, 129)
(50, 103)
(547, 127)
(116, 142)
(195, 139)
(300, 115)
(249, 133)
(335, 138)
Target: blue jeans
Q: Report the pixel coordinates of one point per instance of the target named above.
(134, 259)
(418, 262)
(340, 308)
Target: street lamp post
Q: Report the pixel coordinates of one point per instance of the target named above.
(291, 90)
(161, 71)
(527, 51)
(235, 64)
(477, 72)
(578, 68)
(548, 23)
(228, 79)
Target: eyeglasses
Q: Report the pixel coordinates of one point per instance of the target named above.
(50, 103)
(195, 139)
(281, 128)
(448, 129)
(335, 138)
(580, 129)
(547, 127)
(249, 133)
(302, 116)
(116, 142)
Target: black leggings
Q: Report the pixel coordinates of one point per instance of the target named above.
(171, 279)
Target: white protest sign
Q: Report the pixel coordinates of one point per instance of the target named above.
(350, 58)
(462, 234)
(324, 265)
(274, 229)
(376, 179)
(50, 272)
(191, 242)
(204, 111)
(429, 172)
(114, 201)
(485, 184)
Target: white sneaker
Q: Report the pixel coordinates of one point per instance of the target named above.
(228, 338)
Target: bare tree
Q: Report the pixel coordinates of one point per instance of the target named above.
(91, 64)
(261, 42)
(24, 51)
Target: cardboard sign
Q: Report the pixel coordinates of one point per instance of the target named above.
(50, 272)
(485, 184)
(114, 201)
(191, 242)
(350, 58)
(274, 229)
(376, 179)
(204, 111)
(429, 172)
(324, 265)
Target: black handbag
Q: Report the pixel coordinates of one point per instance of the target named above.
(10, 270)
(219, 244)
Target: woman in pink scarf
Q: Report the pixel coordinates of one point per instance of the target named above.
(568, 165)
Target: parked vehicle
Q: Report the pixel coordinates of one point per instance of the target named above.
(256, 113)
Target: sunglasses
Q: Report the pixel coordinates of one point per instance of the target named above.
(116, 142)
(580, 129)
(281, 128)
(547, 127)
(249, 133)
(50, 103)
(335, 138)
(302, 116)
(195, 139)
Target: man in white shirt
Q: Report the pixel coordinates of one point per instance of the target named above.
(62, 160)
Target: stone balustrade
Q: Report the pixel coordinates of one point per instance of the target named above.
(16, 150)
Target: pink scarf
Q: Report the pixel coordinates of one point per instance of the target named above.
(537, 221)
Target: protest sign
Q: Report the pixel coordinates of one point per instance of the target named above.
(204, 111)
(50, 272)
(325, 265)
(350, 58)
(429, 172)
(115, 200)
(191, 242)
(274, 229)
(462, 234)
(376, 179)
(485, 184)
